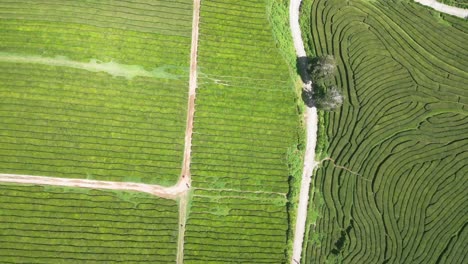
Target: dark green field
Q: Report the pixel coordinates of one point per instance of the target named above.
(56, 225)
(393, 189)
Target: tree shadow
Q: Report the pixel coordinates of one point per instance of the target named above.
(308, 97)
(303, 69)
(339, 244)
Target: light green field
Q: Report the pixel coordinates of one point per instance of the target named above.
(245, 121)
(55, 225)
(94, 90)
(394, 187)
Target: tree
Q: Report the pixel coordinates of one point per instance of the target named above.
(329, 99)
(323, 67)
(325, 95)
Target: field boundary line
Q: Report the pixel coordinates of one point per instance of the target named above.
(241, 191)
(443, 8)
(311, 121)
(185, 178)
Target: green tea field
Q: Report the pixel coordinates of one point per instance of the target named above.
(392, 186)
(188, 131)
(91, 90)
(53, 225)
(245, 121)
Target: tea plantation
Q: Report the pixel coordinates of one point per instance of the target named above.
(245, 121)
(393, 188)
(98, 90)
(94, 90)
(53, 225)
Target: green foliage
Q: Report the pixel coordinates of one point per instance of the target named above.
(322, 137)
(323, 68)
(327, 96)
(457, 3)
(50, 225)
(278, 15)
(398, 143)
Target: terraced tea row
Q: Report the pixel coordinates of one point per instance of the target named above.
(68, 112)
(90, 125)
(392, 187)
(52, 225)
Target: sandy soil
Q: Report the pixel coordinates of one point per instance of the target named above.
(185, 175)
(183, 208)
(451, 10)
(311, 120)
(165, 192)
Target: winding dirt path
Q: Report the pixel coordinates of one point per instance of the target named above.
(311, 119)
(450, 10)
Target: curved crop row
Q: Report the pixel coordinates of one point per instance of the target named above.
(392, 187)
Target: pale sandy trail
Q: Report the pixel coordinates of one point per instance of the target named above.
(165, 192)
(451, 10)
(186, 175)
(311, 120)
(183, 209)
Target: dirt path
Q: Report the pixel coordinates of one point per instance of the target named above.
(451, 10)
(183, 208)
(165, 192)
(186, 175)
(311, 119)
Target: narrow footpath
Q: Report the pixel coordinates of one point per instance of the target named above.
(311, 120)
(165, 192)
(186, 175)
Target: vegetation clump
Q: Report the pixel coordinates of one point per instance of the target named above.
(326, 94)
